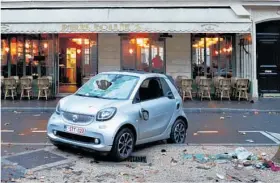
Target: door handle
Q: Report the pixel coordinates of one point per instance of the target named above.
(144, 114)
(178, 105)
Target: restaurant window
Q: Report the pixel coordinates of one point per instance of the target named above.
(143, 52)
(27, 55)
(212, 55)
(4, 56)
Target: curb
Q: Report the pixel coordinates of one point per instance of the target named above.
(187, 110)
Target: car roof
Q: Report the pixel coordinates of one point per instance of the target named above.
(136, 73)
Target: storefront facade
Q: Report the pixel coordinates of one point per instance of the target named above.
(69, 44)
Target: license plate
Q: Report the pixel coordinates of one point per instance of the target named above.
(74, 129)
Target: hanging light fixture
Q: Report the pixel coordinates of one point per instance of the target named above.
(45, 45)
(79, 51)
(7, 49)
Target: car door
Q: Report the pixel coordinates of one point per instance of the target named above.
(156, 108)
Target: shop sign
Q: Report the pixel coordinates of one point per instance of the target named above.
(101, 27)
(5, 27)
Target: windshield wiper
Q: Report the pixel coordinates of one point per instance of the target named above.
(80, 95)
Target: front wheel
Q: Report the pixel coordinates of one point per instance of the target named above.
(123, 145)
(178, 132)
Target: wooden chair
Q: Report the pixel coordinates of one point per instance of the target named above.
(43, 87)
(186, 88)
(197, 82)
(205, 88)
(242, 88)
(2, 84)
(225, 88)
(216, 81)
(178, 82)
(26, 86)
(10, 85)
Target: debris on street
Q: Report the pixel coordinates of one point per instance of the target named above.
(173, 162)
(220, 176)
(163, 152)
(249, 140)
(240, 158)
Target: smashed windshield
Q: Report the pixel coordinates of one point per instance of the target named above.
(109, 86)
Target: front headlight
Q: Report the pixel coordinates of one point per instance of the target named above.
(106, 114)
(57, 109)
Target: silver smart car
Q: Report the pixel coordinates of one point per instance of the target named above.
(114, 111)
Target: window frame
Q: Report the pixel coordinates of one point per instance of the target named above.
(137, 96)
(165, 93)
(151, 40)
(219, 35)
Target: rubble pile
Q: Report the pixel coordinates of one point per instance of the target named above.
(240, 158)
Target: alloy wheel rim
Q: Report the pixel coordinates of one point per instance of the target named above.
(125, 145)
(179, 133)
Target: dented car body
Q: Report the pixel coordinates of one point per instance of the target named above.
(114, 111)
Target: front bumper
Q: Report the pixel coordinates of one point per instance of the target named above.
(57, 133)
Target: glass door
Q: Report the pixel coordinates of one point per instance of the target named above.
(77, 60)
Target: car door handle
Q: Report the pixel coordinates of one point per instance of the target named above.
(178, 105)
(144, 114)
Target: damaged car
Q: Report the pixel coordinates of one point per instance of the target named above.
(115, 111)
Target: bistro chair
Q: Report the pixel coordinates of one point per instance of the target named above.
(216, 81)
(225, 87)
(178, 82)
(242, 86)
(10, 87)
(43, 87)
(2, 84)
(197, 82)
(26, 87)
(205, 88)
(186, 85)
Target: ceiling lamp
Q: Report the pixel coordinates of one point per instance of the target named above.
(7, 49)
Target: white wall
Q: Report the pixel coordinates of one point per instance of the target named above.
(178, 55)
(108, 52)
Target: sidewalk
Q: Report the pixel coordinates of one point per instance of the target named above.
(262, 105)
(164, 163)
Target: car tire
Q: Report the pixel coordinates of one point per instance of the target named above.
(178, 132)
(123, 145)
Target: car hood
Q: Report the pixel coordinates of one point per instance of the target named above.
(86, 105)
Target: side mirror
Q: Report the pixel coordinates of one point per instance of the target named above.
(170, 95)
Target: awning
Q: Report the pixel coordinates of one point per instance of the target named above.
(171, 20)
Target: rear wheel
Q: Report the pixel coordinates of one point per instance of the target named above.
(123, 145)
(178, 132)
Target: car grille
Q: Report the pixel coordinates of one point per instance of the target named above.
(74, 137)
(77, 118)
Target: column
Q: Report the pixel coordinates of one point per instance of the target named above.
(254, 81)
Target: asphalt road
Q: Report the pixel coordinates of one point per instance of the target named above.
(27, 131)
